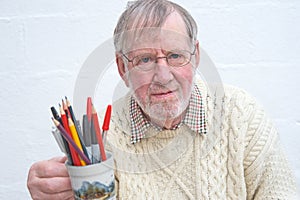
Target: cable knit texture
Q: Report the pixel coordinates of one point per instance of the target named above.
(239, 158)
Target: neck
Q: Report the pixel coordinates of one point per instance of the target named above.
(168, 123)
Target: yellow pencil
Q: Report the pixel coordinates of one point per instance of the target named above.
(75, 138)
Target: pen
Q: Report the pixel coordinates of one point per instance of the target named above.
(106, 122)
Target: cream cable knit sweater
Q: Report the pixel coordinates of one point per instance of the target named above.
(239, 158)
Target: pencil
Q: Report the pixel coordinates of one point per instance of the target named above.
(70, 140)
(74, 155)
(65, 143)
(59, 140)
(79, 132)
(75, 137)
(95, 145)
(65, 108)
(98, 134)
(87, 136)
(55, 114)
(89, 109)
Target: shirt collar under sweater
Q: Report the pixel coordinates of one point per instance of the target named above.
(194, 118)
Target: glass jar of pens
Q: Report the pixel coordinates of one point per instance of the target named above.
(90, 167)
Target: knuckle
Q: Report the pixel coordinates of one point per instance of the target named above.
(31, 179)
(33, 168)
(50, 186)
(47, 171)
(36, 168)
(35, 196)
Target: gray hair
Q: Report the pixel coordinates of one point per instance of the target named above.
(148, 14)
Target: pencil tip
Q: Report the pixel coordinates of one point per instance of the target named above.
(93, 110)
(55, 121)
(67, 102)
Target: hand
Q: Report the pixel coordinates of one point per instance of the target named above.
(49, 179)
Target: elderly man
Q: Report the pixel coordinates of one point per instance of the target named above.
(172, 136)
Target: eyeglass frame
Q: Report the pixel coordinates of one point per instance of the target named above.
(166, 57)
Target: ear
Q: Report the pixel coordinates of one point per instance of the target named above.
(197, 53)
(122, 68)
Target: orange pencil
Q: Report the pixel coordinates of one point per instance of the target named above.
(65, 124)
(98, 134)
(75, 138)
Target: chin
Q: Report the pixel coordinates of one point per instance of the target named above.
(164, 111)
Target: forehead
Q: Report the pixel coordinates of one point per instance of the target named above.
(172, 35)
(156, 39)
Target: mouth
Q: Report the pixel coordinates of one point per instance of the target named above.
(163, 94)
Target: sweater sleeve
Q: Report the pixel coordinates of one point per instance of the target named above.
(266, 169)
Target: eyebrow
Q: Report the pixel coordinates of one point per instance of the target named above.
(140, 51)
(151, 50)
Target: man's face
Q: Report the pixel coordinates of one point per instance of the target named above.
(162, 91)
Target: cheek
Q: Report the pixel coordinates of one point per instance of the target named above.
(185, 77)
(139, 84)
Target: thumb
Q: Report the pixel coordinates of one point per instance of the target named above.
(60, 159)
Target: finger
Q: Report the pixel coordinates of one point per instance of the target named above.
(55, 185)
(59, 159)
(48, 188)
(49, 168)
(65, 195)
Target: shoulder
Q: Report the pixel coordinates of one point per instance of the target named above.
(227, 98)
(238, 95)
(221, 91)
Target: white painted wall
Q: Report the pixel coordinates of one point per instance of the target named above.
(43, 44)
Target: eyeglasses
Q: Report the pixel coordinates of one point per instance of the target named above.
(174, 58)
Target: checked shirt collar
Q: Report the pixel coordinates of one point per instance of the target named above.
(194, 118)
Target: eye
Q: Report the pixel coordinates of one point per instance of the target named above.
(143, 59)
(174, 56)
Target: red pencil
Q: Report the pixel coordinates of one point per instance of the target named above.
(65, 124)
(98, 134)
(89, 108)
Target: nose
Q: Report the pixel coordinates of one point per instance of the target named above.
(161, 58)
(163, 73)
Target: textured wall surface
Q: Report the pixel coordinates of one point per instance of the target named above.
(43, 44)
